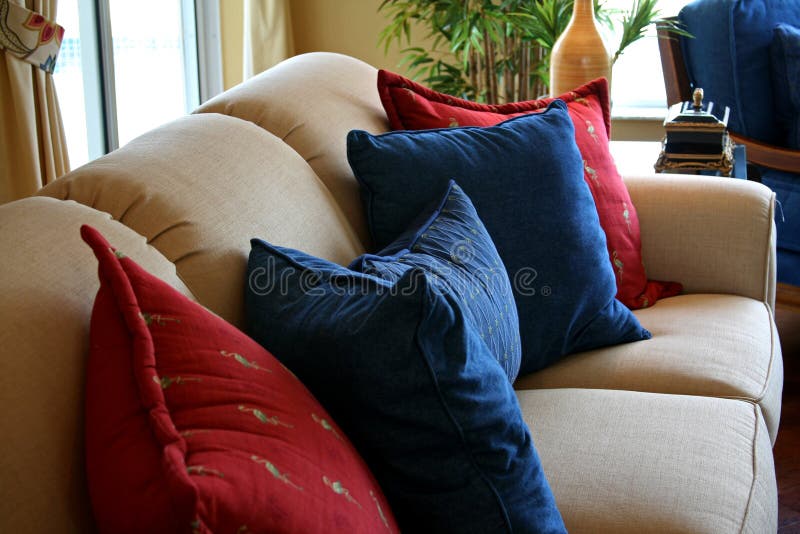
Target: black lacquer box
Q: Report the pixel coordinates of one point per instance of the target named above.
(696, 138)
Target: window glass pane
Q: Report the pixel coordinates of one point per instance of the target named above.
(637, 81)
(148, 64)
(68, 78)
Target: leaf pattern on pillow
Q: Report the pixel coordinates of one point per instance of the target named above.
(590, 129)
(326, 425)
(338, 489)
(380, 510)
(619, 267)
(242, 360)
(275, 472)
(626, 214)
(204, 471)
(157, 318)
(167, 381)
(591, 173)
(264, 418)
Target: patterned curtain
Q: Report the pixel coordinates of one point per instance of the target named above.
(267, 35)
(33, 151)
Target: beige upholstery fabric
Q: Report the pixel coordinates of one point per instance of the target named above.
(713, 235)
(712, 345)
(47, 290)
(311, 101)
(222, 182)
(186, 198)
(626, 462)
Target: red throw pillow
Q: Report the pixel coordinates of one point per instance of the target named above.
(193, 427)
(411, 106)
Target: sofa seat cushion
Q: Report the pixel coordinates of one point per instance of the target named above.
(624, 461)
(711, 345)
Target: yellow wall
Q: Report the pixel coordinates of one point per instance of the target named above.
(231, 14)
(346, 26)
(352, 27)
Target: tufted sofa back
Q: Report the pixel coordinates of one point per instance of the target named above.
(310, 102)
(264, 160)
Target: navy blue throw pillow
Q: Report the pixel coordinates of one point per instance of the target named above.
(452, 246)
(525, 179)
(402, 370)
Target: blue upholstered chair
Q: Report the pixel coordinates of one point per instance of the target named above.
(745, 54)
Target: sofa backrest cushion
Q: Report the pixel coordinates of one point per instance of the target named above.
(311, 101)
(729, 58)
(200, 188)
(48, 284)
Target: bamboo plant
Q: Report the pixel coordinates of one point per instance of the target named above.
(498, 50)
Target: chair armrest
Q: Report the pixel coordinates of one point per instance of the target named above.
(713, 235)
(673, 66)
(774, 157)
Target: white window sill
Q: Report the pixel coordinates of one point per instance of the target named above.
(638, 113)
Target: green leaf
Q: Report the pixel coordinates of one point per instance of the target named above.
(459, 32)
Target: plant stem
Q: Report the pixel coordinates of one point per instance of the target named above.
(491, 87)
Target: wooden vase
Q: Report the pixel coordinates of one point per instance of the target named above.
(580, 54)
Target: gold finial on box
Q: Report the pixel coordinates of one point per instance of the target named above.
(697, 99)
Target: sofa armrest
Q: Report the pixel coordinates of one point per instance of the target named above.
(713, 235)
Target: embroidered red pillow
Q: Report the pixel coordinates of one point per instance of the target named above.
(411, 106)
(193, 427)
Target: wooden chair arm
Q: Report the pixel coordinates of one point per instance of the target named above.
(676, 79)
(774, 157)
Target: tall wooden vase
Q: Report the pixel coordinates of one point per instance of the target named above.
(580, 54)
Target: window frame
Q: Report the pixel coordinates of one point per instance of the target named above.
(202, 62)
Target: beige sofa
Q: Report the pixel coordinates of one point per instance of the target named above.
(673, 434)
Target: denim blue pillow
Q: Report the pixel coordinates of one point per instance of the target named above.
(525, 178)
(785, 55)
(412, 384)
(452, 246)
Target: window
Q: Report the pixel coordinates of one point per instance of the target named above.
(126, 67)
(637, 88)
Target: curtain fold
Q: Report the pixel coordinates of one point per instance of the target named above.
(33, 151)
(268, 36)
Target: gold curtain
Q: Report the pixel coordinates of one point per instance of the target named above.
(268, 36)
(33, 151)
